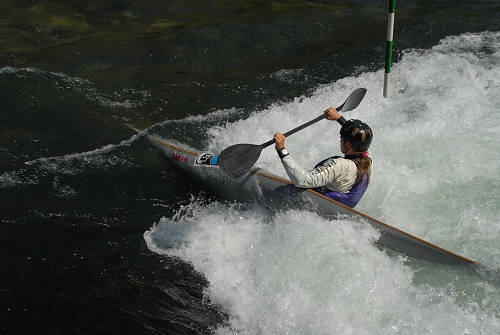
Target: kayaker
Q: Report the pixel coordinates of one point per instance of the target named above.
(343, 179)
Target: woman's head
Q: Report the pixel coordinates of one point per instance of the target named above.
(355, 139)
(356, 135)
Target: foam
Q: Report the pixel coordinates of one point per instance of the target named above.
(97, 157)
(66, 165)
(301, 274)
(10, 179)
(85, 87)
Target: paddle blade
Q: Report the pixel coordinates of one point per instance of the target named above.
(238, 159)
(353, 100)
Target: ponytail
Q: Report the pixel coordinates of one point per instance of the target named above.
(363, 163)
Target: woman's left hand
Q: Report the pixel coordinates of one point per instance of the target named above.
(279, 139)
(333, 114)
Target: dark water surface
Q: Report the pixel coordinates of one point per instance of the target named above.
(73, 72)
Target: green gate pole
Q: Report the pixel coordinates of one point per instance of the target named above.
(388, 55)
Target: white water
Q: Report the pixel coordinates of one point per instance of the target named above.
(435, 175)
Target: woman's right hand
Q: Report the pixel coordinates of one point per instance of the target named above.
(279, 139)
(333, 114)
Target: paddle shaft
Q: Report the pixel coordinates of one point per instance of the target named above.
(294, 130)
(305, 125)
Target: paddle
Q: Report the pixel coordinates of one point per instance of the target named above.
(238, 159)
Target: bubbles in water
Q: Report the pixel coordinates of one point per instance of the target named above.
(296, 272)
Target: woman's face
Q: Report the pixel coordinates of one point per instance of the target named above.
(344, 145)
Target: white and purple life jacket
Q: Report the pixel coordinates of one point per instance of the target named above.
(350, 198)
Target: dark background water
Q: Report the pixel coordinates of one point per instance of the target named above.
(71, 247)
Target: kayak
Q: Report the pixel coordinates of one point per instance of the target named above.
(278, 193)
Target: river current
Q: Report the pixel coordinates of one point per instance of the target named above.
(99, 234)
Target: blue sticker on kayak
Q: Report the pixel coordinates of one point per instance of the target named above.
(207, 159)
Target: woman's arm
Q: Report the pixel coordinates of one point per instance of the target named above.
(317, 177)
(300, 177)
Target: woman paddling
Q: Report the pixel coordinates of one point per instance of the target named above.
(343, 179)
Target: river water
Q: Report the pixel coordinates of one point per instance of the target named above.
(99, 234)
